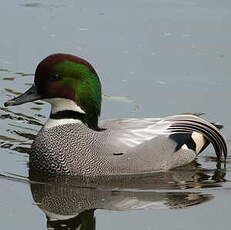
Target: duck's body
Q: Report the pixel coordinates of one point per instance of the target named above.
(72, 142)
(123, 146)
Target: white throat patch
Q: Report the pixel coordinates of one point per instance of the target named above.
(61, 104)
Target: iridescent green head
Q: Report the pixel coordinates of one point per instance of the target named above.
(65, 78)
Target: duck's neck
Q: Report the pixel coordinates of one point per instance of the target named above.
(65, 111)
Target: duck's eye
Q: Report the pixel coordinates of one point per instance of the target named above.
(55, 77)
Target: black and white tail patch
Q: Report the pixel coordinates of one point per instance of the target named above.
(183, 140)
(198, 130)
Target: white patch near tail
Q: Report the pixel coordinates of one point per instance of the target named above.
(185, 147)
(199, 140)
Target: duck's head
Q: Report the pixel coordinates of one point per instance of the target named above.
(70, 84)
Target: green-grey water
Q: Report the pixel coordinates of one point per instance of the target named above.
(154, 58)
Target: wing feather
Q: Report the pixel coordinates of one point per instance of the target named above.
(133, 132)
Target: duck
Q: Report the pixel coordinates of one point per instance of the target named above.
(75, 142)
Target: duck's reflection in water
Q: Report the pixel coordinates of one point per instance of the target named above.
(69, 203)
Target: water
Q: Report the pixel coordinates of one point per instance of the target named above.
(154, 58)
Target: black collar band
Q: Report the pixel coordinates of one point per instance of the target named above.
(70, 114)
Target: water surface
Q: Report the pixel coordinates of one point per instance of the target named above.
(154, 58)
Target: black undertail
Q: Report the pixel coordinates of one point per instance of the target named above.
(183, 139)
